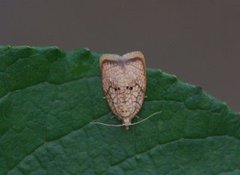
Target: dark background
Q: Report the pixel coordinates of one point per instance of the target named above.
(197, 40)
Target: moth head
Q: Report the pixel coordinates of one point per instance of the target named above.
(126, 122)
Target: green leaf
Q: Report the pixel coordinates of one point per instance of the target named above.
(48, 98)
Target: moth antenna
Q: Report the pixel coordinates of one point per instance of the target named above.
(155, 113)
(120, 125)
(106, 124)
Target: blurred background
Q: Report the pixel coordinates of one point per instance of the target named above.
(197, 40)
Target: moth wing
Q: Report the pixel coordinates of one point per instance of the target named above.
(126, 70)
(108, 62)
(135, 65)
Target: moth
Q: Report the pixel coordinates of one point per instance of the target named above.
(124, 85)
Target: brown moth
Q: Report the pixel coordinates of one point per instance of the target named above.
(124, 84)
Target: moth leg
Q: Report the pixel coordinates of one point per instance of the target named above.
(112, 116)
(104, 97)
(138, 116)
(146, 97)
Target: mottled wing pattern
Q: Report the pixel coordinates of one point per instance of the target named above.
(124, 83)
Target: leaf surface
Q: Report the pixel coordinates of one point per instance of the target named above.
(48, 98)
